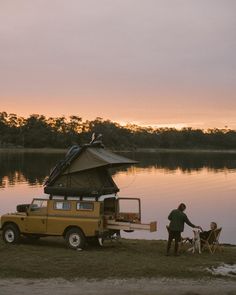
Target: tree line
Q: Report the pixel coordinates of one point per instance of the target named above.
(37, 131)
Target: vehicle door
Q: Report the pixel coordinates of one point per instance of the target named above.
(128, 210)
(36, 220)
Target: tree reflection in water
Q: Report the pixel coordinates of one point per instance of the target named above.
(33, 168)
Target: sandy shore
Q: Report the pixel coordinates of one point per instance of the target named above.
(115, 287)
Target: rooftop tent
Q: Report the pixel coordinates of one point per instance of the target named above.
(84, 172)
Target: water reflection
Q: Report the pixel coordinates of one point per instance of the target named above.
(205, 182)
(33, 168)
(187, 162)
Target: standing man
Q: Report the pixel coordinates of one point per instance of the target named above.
(177, 219)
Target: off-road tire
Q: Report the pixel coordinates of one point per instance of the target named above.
(11, 234)
(75, 239)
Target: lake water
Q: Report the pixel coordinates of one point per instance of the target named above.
(206, 182)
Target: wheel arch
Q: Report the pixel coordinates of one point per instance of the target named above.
(6, 223)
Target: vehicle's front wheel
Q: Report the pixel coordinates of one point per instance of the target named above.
(75, 239)
(11, 234)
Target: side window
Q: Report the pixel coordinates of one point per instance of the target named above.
(85, 206)
(62, 205)
(38, 204)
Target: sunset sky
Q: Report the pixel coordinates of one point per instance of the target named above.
(153, 62)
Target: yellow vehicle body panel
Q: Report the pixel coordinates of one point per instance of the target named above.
(54, 220)
(17, 218)
(57, 225)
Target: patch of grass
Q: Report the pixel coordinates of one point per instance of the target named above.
(49, 258)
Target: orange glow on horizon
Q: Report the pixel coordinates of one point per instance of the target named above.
(166, 110)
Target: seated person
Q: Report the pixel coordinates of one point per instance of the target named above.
(205, 234)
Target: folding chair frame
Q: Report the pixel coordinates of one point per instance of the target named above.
(212, 242)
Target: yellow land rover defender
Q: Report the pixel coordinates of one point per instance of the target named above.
(82, 202)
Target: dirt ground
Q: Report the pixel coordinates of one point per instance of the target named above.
(115, 287)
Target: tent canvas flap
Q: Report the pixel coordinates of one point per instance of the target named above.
(96, 157)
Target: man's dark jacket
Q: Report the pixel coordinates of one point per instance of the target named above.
(177, 220)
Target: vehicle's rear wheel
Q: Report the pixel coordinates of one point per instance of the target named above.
(11, 234)
(75, 239)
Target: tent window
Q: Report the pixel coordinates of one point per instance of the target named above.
(62, 205)
(85, 206)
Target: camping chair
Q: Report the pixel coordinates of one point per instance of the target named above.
(212, 242)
